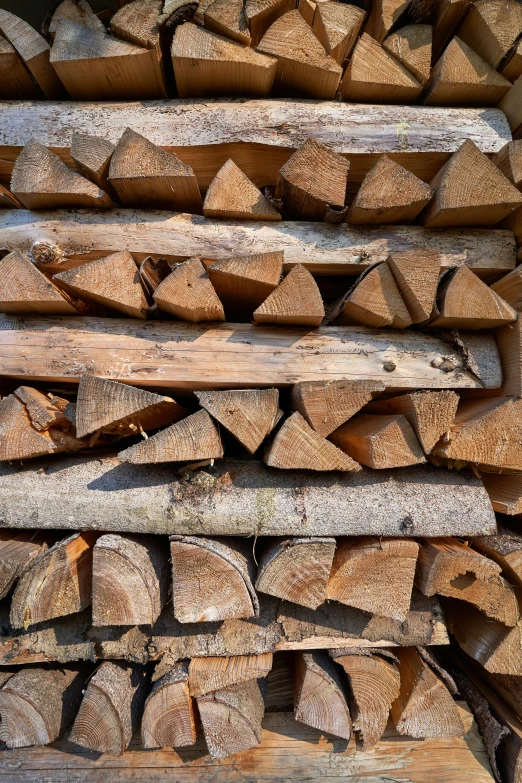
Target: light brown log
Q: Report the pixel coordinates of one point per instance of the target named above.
(17, 552)
(250, 415)
(411, 46)
(379, 441)
(509, 288)
(327, 404)
(16, 79)
(242, 283)
(375, 575)
(509, 341)
(424, 707)
(110, 709)
(384, 15)
(511, 67)
(319, 699)
(24, 289)
(505, 492)
(261, 14)
(144, 175)
(37, 705)
(296, 301)
(44, 411)
(337, 27)
(465, 302)
(92, 157)
(491, 28)
(73, 10)
(511, 106)
(216, 673)
(18, 438)
(374, 300)
(505, 548)
(232, 195)
(142, 23)
(7, 200)
(231, 718)
(307, 11)
(169, 719)
(448, 15)
(188, 293)
(296, 570)
(228, 18)
(509, 161)
(416, 274)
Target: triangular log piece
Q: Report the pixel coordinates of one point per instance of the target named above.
(312, 184)
(250, 414)
(297, 446)
(57, 583)
(379, 442)
(373, 74)
(307, 10)
(466, 302)
(416, 273)
(18, 549)
(16, 81)
(448, 15)
(375, 300)
(509, 161)
(296, 301)
(425, 707)
(34, 51)
(505, 492)
(214, 673)
(449, 567)
(384, 15)
(18, 438)
(505, 548)
(232, 718)
(40, 180)
(297, 570)
(327, 404)
(462, 78)
(42, 410)
(113, 281)
(152, 272)
(411, 46)
(319, 699)
(211, 580)
(232, 195)
(337, 26)
(261, 14)
(111, 708)
(92, 157)
(374, 685)
(24, 289)
(78, 11)
(114, 408)
(96, 66)
(280, 684)
(470, 191)
(191, 439)
(512, 107)
(37, 705)
(242, 283)
(187, 293)
(492, 28)
(304, 70)
(228, 18)
(206, 64)
(145, 175)
(139, 22)
(509, 288)
(389, 194)
(169, 720)
(511, 68)
(7, 200)
(486, 432)
(509, 342)
(375, 575)
(130, 579)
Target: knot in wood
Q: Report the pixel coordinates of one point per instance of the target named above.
(389, 366)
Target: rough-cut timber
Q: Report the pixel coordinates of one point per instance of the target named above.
(231, 718)
(379, 441)
(250, 414)
(327, 404)
(319, 698)
(337, 26)
(18, 438)
(228, 18)
(232, 195)
(24, 289)
(168, 719)
(374, 300)
(416, 274)
(242, 283)
(465, 302)
(188, 294)
(384, 15)
(411, 46)
(215, 673)
(296, 301)
(140, 23)
(17, 552)
(261, 14)
(92, 156)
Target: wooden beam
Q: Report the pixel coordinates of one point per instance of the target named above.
(319, 699)
(169, 718)
(215, 673)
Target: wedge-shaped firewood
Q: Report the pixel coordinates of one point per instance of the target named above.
(110, 708)
(250, 415)
(92, 156)
(466, 302)
(169, 720)
(389, 194)
(505, 492)
(375, 575)
(205, 64)
(375, 300)
(374, 684)
(296, 301)
(44, 412)
(379, 442)
(17, 552)
(411, 46)
(416, 273)
(319, 699)
(373, 74)
(57, 583)
(297, 446)
(448, 15)
(509, 161)
(37, 705)
(214, 673)
(231, 718)
(40, 180)
(448, 567)
(505, 548)
(297, 570)
(312, 183)
(232, 195)
(74, 11)
(113, 281)
(152, 272)
(191, 439)
(15, 78)
(187, 293)
(425, 707)
(228, 18)
(512, 107)
(384, 15)
(470, 191)
(18, 438)
(491, 28)
(509, 288)
(142, 23)
(242, 283)
(337, 26)
(24, 289)
(462, 78)
(261, 14)
(307, 10)
(509, 341)
(211, 580)
(145, 175)
(7, 200)
(327, 404)
(304, 69)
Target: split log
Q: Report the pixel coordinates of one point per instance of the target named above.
(379, 441)
(374, 685)
(296, 301)
(7, 200)
(231, 718)
(232, 195)
(143, 24)
(509, 288)
(188, 293)
(110, 709)
(206, 65)
(465, 302)
(505, 492)
(307, 10)
(424, 707)
(211, 580)
(319, 698)
(491, 28)
(44, 412)
(228, 18)
(129, 580)
(261, 14)
(448, 15)
(509, 161)
(510, 105)
(152, 272)
(144, 175)
(416, 274)
(505, 548)
(297, 570)
(37, 705)
(374, 300)
(449, 567)
(411, 46)
(17, 553)
(73, 10)
(92, 156)
(24, 289)
(384, 15)
(57, 583)
(249, 415)
(18, 438)
(511, 68)
(304, 69)
(389, 194)
(17, 82)
(509, 341)
(242, 283)
(337, 27)
(169, 719)
(215, 674)
(327, 404)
